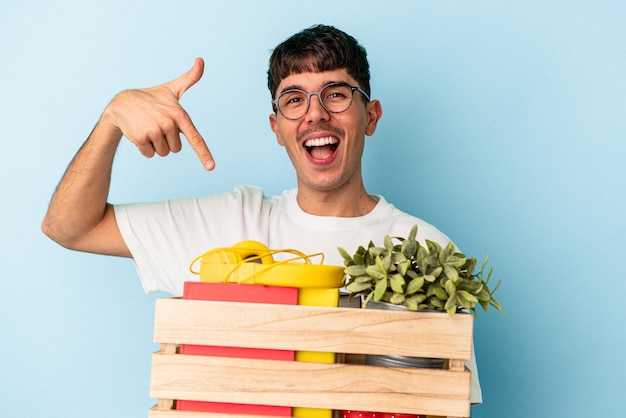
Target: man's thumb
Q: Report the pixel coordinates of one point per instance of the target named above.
(181, 84)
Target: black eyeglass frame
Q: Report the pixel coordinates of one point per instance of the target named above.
(277, 109)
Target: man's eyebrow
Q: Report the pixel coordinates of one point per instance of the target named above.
(299, 87)
(291, 87)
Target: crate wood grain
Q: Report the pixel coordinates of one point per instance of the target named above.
(353, 332)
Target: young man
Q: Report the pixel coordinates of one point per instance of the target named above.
(319, 82)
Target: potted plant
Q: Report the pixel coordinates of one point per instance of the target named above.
(417, 277)
(406, 275)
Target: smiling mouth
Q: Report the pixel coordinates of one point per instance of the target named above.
(321, 148)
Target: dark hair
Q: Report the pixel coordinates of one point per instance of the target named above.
(317, 49)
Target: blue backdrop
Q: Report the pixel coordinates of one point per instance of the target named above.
(504, 125)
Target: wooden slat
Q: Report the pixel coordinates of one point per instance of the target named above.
(331, 386)
(166, 403)
(308, 328)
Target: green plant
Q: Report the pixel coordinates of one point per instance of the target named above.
(418, 277)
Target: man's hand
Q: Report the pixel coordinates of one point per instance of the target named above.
(79, 216)
(153, 118)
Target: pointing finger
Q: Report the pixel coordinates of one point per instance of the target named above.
(197, 143)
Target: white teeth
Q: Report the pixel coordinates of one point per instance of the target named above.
(320, 142)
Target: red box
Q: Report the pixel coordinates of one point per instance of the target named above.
(232, 292)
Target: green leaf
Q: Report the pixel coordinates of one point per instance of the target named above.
(482, 267)
(397, 298)
(420, 259)
(440, 293)
(410, 245)
(412, 233)
(404, 266)
(381, 265)
(433, 261)
(454, 261)
(419, 297)
(376, 251)
(484, 295)
(397, 283)
(471, 298)
(497, 286)
(470, 265)
(409, 248)
(494, 302)
(380, 289)
(464, 301)
(429, 278)
(450, 287)
(442, 255)
(451, 302)
(356, 287)
(437, 303)
(436, 272)
(451, 273)
(388, 244)
(386, 262)
(355, 270)
(485, 305)
(363, 279)
(412, 274)
(344, 254)
(414, 285)
(411, 304)
(472, 287)
(397, 258)
(433, 247)
(375, 272)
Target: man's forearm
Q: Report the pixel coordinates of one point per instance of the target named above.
(79, 203)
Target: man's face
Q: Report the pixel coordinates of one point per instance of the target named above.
(326, 148)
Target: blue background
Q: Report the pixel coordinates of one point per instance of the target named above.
(504, 125)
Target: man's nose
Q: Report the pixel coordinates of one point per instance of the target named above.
(316, 111)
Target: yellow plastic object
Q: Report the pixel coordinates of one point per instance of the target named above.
(243, 251)
(318, 297)
(312, 413)
(251, 262)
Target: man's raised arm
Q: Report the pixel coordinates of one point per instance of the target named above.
(79, 216)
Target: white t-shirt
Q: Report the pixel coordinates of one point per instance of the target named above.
(165, 237)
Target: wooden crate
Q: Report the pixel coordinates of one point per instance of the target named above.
(349, 385)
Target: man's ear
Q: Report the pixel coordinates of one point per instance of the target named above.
(374, 112)
(274, 127)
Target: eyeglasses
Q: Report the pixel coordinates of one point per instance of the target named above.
(334, 97)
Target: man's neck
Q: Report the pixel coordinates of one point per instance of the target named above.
(335, 203)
